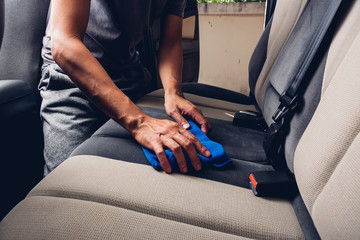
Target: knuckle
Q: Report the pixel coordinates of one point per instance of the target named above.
(195, 160)
(174, 147)
(172, 124)
(193, 108)
(187, 144)
(177, 148)
(159, 152)
(192, 138)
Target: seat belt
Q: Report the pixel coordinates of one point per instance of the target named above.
(295, 73)
(291, 68)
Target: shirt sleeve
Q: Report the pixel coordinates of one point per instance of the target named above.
(175, 7)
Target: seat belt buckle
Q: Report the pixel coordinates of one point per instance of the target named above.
(250, 119)
(272, 184)
(286, 104)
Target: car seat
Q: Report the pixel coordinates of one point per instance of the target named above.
(21, 136)
(96, 197)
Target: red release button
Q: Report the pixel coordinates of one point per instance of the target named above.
(252, 179)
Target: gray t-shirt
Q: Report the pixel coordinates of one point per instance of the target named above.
(115, 27)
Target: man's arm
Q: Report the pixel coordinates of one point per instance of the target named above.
(68, 21)
(170, 69)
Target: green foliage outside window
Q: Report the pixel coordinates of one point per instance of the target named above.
(228, 1)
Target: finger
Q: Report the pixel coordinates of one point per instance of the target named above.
(160, 153)
(176, 149)
(197, 115)
(205, 127)
(189, 148)
(180, 120)
(198, 145)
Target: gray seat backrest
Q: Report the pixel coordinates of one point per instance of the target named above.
(25, 22)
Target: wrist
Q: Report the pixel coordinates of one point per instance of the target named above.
(134, 123)
(173, 93)
(172, 86)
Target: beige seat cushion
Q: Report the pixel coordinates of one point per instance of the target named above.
(105, 197)
(64, 218)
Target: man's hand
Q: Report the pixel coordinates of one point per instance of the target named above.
(166, 133)
(170, 70)
(177, 107)
(156, 134)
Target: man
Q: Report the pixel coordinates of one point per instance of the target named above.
(89, 54)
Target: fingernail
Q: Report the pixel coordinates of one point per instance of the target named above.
(186, 125)
(167, 170)
(184, 169)
(198, 167)
(207, 153)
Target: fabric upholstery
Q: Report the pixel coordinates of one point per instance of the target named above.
(20, 52)
(16, 97)
(174, 197)
(327, 146)
(270, 8)
(285, 16)
(121, 199)
(343, 39)
(239, 143)
(21, 138)
(242, 145)
(210, 107)
(258, 57)
(291, 58)
(308, 102)
(102, 222)
(310, 88)
(320, 75)
(213, 92)
(305, 220)
(336, 211)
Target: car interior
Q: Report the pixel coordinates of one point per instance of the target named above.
(294, 140)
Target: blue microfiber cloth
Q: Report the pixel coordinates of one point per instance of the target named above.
(218, 156)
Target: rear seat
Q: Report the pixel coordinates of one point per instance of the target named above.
(21, 138)
(219, 104)
(93, 197)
